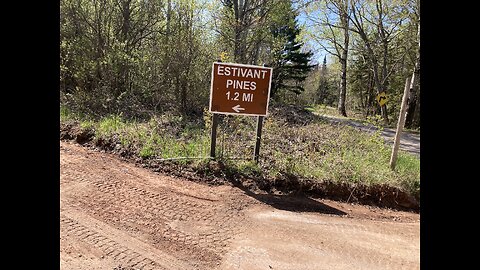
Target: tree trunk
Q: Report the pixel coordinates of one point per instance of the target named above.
(239, 52)
(343, 60)
(380, 88)
(412, 102)
(169, 18)
(343, 86)
(379, 82)
(384, 82)
(238, 46)
(380, 76)
(125, 30)
(416, 115)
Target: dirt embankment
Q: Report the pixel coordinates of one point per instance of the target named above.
(215, 173)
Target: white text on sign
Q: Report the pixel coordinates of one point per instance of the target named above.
(241, 72)
(247, 97)
(240, 89)
(243, 85)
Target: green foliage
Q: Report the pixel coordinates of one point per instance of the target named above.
(375, 120)
(322, 85)
(133, 57)
(291, 65)
(391, 51)
(87, 124)
(138, 74)
(250, 168)
(315, 150)
(143, 58)
(335, 153)
(65, 114)
(147, 151)
(110, 125)
(207, 118)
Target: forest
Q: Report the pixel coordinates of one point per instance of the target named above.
(135, 78)
(142, 58)
(239, 134)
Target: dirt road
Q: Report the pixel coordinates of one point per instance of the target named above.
(114, 215)
(409, 141)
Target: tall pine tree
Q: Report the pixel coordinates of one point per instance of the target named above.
(291, 65)
(323, 84)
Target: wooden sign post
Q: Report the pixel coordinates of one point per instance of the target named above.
(239, 89)
(213, 137)
(401, 123)
(256, 152)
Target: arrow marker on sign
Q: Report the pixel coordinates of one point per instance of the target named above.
(237, 108)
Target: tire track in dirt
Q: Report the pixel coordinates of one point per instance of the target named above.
(139, 219)
(217, 220)
(108, 240)
(194, 226)
(212, 232)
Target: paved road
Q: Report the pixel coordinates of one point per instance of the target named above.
(115, 215)
(409, 142)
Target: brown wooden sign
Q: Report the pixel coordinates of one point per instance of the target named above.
(240, 89)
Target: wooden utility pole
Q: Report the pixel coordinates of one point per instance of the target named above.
(401, 122)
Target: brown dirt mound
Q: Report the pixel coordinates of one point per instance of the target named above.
(73, 131)
(375, 195)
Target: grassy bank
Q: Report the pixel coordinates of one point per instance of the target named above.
(296, 144)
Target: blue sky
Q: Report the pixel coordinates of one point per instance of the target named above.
(319, 52)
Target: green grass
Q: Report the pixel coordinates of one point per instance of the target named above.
(150, 139)
(65, 114)
(147, 151)
(317, 151)
(337, 153)
(110, 125)
(362, 158)
(322, 109)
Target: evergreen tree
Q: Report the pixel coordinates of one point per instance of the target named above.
(291, 65)
(323, 85)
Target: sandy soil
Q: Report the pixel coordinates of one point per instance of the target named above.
(114, 215)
